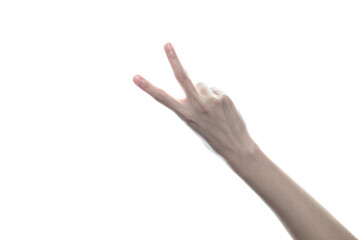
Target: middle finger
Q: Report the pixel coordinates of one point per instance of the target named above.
(179, 72)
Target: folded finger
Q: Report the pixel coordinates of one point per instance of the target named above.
(204, 89)
(217, 91)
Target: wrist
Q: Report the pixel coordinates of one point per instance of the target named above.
(245, 155)
(246, 149)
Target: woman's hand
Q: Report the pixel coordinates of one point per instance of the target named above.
(209, 112)
(212, 114)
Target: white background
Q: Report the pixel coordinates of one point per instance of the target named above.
(86, 154)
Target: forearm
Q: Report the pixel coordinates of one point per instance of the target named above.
(302, 216)
(213, 115)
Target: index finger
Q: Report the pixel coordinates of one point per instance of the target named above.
(179, 72)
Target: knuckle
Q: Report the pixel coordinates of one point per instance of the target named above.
(188, 116)
(160, 96)
(215, 105)
(213, 99)
(213, 102)
(204, 107)
(199, 84)
(225, 98)
(183, 75)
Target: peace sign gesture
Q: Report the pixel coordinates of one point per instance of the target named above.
(209, 112)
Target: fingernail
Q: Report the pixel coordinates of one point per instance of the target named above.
(137, 80)
(169, 47)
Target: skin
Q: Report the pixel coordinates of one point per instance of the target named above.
(214, 117)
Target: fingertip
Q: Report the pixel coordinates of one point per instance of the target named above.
(137, 79)
(168, 47)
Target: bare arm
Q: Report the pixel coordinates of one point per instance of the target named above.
(213, 116)
(302, 216)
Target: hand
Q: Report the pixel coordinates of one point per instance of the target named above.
(209, 112)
